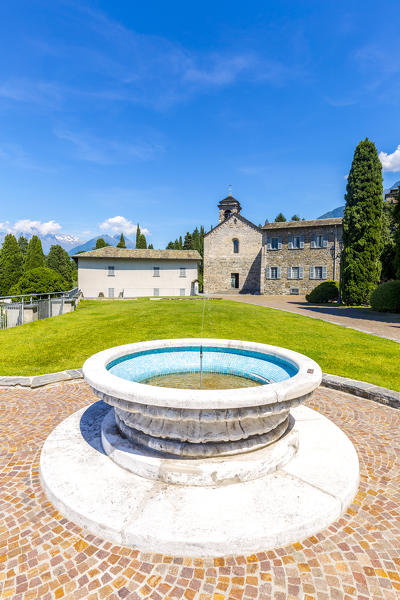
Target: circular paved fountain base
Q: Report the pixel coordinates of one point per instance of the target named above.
(303, 497)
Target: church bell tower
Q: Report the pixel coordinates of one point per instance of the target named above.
(227, 207)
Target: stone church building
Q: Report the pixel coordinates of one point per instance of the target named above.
(279, 258)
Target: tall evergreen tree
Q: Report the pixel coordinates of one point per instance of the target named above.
(362, 226)
(180, 243)
(121, 243)
(23, 244)
(34, 255)
(280, 218)
(187, 244)
(142, 241)
(138, 234)
(11, 264)
(295, 218)
(151, 247)
(58, 259)
(101, 243)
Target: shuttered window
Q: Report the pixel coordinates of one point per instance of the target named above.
(273, 272)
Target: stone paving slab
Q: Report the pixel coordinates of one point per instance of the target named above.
(43, 555)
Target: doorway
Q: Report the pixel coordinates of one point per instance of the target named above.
(235, 281)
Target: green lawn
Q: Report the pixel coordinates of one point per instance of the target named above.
(65, 342)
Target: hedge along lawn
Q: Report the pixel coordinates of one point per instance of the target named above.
(65, 342)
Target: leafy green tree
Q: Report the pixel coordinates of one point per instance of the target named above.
(41, 280)
(280, 218)
(34, 255)
(388, 254)
(151, 247)
(295, 218)
(362, 226)
(121, 243)
(11, 264)
(23, 244)
(396, 215)
(101, 243)
(58, 259)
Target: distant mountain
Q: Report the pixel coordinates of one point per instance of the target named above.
(333, 214)
(111, 240)
(50, 239)
(339, 211)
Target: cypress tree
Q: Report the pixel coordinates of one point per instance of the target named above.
(101, 243)
(142, 241)
(11, 264)
(58, 259)
(362, 226)
(280, 218)
(151, 247)
(34, 255)
(138, 234)
(121, 243)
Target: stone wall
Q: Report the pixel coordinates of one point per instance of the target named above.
(220, 260)
(305, 257)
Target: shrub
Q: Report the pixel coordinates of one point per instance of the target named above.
(41, 280)
(327, 291)
(386, 297)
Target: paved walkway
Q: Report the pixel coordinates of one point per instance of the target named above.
(43, 555)
(385, 325)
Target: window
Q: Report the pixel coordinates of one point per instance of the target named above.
(294, 291)
(319, 241)
(295, 273)
(274, 243)
(234, 280)
(156, 271)
(111, 292)
(236, 246)
(182, 292)
(318, 273)
(182, 272)
(273, 273)
(295, 242)
(156, 292)
(227, 213)
(111, 271)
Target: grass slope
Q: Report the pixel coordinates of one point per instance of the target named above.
(65, 342)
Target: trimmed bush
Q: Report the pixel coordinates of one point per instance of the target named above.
(327, 291)
(41, 280)
(386, 297)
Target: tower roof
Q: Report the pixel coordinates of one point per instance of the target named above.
(229, 201)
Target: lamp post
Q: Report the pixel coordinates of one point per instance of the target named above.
(336, 253)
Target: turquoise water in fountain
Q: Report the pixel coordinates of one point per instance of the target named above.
(256, 366)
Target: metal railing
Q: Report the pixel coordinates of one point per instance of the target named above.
(24, 308)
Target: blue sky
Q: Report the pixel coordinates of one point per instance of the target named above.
(149, 110)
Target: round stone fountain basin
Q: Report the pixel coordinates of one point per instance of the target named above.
(199, 423)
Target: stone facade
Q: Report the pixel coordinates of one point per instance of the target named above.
(221, 262)
(279, 258)
(296, 267)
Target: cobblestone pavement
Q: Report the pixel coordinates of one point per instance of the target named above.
(43, 555)
(385, 325)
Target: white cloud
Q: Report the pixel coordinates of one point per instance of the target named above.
(121, 225)
(390, 162)
(31, 227)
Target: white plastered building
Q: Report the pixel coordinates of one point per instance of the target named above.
(123, 273)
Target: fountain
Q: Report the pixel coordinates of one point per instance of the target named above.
(200, 446)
